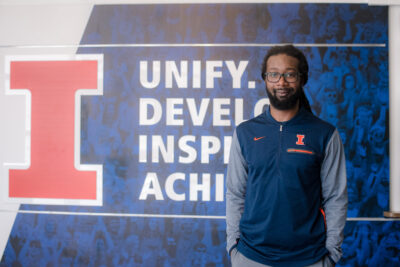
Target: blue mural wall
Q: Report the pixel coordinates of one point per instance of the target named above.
(162, 130)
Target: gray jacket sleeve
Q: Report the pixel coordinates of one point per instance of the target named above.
(235, 192)
(334, 193)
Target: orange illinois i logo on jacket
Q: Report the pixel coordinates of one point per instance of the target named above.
(300, 139)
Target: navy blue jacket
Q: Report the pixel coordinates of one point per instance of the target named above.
(275, 189)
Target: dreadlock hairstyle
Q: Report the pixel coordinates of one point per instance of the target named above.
(292, 51)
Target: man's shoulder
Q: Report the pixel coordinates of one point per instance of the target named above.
(253, 121)
(317, 122)
(320, 130)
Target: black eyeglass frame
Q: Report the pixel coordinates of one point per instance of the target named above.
(284, 75)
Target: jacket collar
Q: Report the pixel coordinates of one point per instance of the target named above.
(301, 113)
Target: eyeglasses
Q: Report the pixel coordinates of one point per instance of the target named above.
(274, 77)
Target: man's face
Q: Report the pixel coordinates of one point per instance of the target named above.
(282, 94)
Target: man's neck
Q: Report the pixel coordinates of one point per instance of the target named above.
(283, 115)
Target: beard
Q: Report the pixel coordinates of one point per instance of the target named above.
(284, 103)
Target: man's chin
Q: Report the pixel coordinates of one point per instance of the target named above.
(282, 99)
(284, 102)
(283, 106)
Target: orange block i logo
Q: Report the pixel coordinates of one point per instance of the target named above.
(300, 139)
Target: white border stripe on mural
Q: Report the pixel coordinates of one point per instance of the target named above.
(193, 45)
(174, 216)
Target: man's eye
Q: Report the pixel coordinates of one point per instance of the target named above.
(291, 74)
(273, 74)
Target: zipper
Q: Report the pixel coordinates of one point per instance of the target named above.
(279, 150)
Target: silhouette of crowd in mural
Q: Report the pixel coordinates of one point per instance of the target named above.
(61, 240)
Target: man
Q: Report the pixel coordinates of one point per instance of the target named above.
(286, 198)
